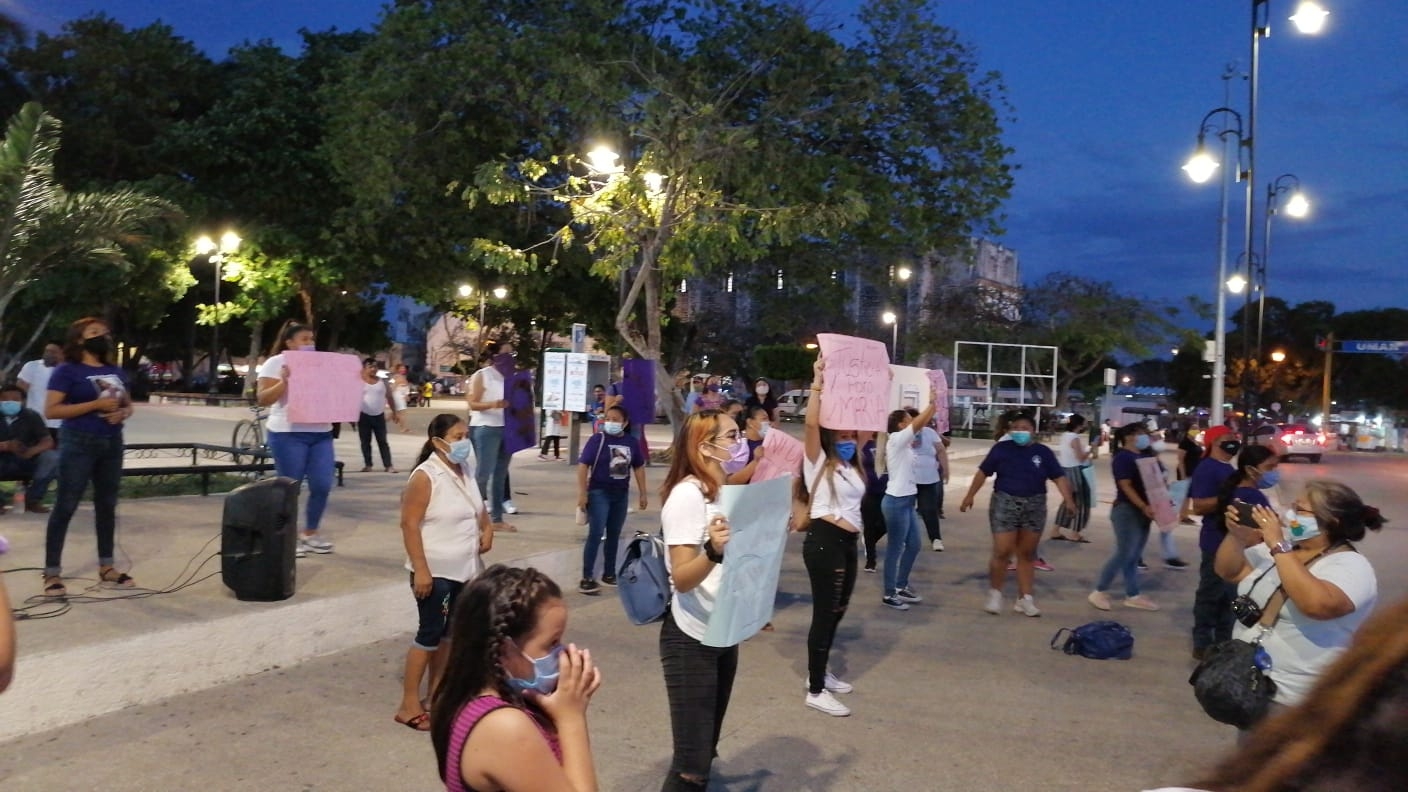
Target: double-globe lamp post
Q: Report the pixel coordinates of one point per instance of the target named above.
(466, 291)
(216, 253)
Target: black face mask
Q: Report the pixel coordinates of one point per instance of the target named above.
(1230, 447)
(99, 346)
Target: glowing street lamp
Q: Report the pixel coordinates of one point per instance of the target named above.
(1309, 17)
(1296, 206)
(499, 292)
(1236, 283)
(1278, 356)
(893, 320)
(216, 254)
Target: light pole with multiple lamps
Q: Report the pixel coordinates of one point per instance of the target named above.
(466, 291)
(216, 254)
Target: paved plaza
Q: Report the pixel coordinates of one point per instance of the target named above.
(196, 690)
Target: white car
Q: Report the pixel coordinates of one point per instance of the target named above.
(792, 405)
(1302, 441)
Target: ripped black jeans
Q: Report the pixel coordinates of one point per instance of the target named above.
(830, 555)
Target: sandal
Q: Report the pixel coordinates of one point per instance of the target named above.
(419, 722)
(1081, 538)
(54, 587)
(119, 579)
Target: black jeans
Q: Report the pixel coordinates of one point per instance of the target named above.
(556, 443)
(1212, 606)
(85, 457)
(698, 683)
(874, 525)
(830, 555)
(931, 498)
(369, 426)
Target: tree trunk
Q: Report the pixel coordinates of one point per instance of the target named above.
(256, 340)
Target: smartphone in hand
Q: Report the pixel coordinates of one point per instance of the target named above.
(1244, 513)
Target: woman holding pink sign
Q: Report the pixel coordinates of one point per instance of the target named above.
(1131, 516)
(301, 450)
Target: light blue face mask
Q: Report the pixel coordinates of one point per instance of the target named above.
(545, 673)
(1269, 479)
(612, 427)
(846, 450)
(1020, 438)
(10, 409)
(460, 451)
(763, 428)
(1300, 527)
(1142, 442)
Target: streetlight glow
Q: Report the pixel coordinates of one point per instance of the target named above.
(903, 273)
(1236, 284)
(466, 290)
(1309, 17)
(603, 160)
(653, 181)
(888, 317)
(1298, 206)
(205, 245)
(1201, 166)
(500, 292)
(229, 242)
(1278, 357)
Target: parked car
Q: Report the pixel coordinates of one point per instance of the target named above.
(792, 405)
(1302, 441)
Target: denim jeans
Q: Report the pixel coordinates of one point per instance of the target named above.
(40, 470)
(698, 685)
(85, 457)
(1131, 533)
(902, 547)
(606, 513)
(928, 500)
(306, 455)
(369, 426)
(491, 467)
(1170, 550)
(1212, 605)
(829, 553)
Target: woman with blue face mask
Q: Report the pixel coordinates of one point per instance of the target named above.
(1131, 516)
(1017, 510)
(609, 459)
(1307, 554)
(835, 483)
(445, 528)
(511, 712)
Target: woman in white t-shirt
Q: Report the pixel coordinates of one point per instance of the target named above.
(301, 450)
(1073, 452)
(899, 503)
(698, 678)
(487, 403)
(929, 480)
(835, 481)
(1330, 588)
(445, 529)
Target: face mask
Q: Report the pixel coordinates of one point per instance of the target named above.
(1230, 447)
(1020, 438)
(737, 457)
(763, 428)
(613, 427)
(1269, 479)
(1142, 442)
(1302, 526)
(9, 409)
(545, 673)
(1159, 446)
(712, 388)
(98, 345)
(308, 348)
(763, 390)
(846, 450)
(459, 451)
(504, 359)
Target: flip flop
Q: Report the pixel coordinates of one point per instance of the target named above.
(1081, 539)
(419, 722)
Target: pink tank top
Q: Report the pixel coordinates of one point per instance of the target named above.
(469, 717)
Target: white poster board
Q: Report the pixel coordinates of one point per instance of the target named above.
(757, 516)
(554, 380)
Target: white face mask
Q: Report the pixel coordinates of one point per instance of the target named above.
(763, 390)
(1301, 527)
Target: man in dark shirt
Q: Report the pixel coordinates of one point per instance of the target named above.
(1212, 604)
(26, 449)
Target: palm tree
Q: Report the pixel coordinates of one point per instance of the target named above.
(42, 226)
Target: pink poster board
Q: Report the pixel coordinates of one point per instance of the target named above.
(939, 381)
(323, 387)
(782, 456)
(1152, 474)
(856, 384)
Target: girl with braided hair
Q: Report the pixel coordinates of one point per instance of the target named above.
(511, 711)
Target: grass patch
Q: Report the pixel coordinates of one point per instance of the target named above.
(184, 484)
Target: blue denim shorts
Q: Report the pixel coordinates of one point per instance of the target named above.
(435, 611)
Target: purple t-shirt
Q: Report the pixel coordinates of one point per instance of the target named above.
(1021, 471)
(611, 465)
(1207, 482)
(80, 383)
(1125, 466)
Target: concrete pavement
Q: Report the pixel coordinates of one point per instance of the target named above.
(196, 689)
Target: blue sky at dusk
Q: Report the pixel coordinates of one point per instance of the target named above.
(1107, 96)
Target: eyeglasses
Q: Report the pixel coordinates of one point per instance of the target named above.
(727, 436)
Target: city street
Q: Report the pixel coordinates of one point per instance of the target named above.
(947, 697)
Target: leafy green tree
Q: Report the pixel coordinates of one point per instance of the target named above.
(784, 361)
(43, 227)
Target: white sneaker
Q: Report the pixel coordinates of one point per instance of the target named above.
(1026, 606)
(509, 508)
(831, 683)
(1099, 599)
(1141, 602)
(313, 543)
(827, 703)
(994, 605)
(938, 545)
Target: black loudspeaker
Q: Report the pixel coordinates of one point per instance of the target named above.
(259, 539)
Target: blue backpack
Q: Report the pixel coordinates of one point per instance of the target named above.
(642, 581)
(1099, 640)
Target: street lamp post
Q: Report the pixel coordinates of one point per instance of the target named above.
(1296, 206)
(205, 246)
(892, 320)
(1200, 168)
(1251, 264)
(499, 293)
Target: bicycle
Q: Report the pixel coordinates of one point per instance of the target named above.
(249, 436)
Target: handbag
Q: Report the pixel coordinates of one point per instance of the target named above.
(1098, 640)
(642, 581)
(1230, 682)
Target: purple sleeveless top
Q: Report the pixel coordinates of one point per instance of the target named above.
(465, 722)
